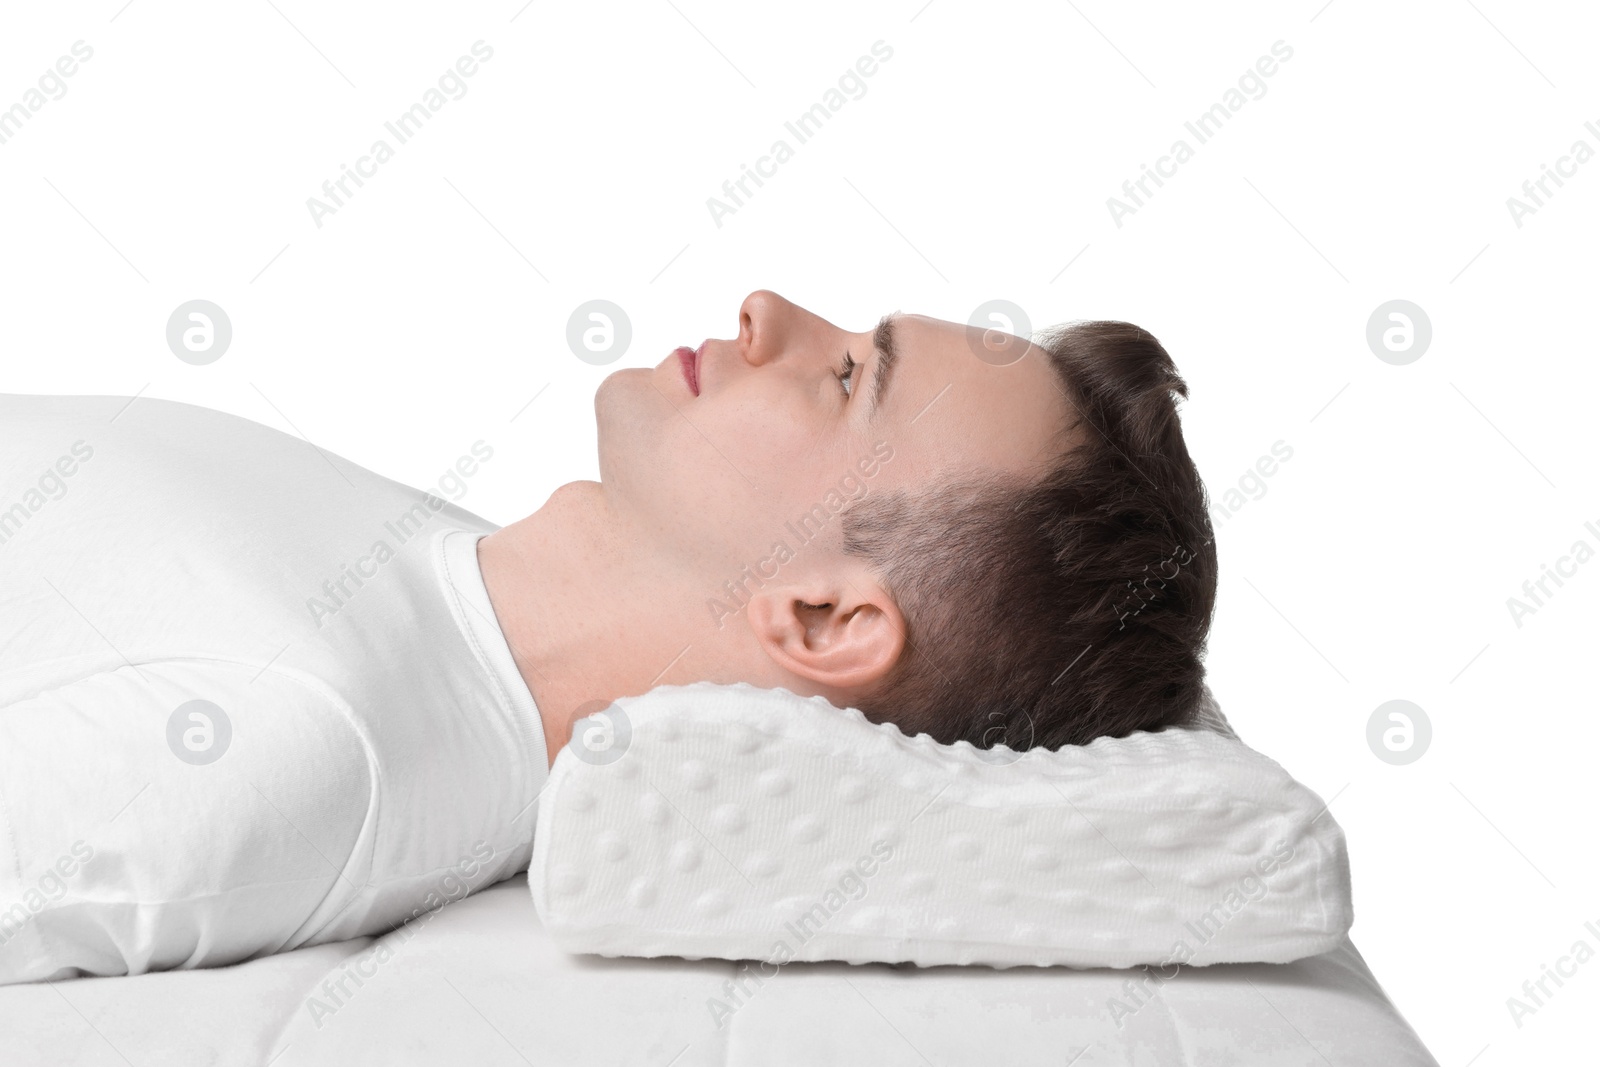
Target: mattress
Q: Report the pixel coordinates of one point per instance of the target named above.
(479, 981)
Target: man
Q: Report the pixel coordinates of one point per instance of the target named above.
(254, 697)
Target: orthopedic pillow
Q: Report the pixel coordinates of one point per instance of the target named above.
(743, 823)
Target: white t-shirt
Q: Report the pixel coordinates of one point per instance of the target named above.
(364, 748)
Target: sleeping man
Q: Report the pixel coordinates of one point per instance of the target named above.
(253, 696)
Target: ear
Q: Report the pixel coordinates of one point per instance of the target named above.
(841, 632)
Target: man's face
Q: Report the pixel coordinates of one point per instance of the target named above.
(716, 459)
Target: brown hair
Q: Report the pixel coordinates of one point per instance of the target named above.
(1073, 607)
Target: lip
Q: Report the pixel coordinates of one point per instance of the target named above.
(689, 361)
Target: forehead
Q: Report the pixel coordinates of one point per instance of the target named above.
(956, 412)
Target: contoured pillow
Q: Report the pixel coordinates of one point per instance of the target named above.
(744, 823)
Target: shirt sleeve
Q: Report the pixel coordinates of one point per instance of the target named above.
(182, 813)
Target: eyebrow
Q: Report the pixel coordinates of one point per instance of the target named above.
(883, 340)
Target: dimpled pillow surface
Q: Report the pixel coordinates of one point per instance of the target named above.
(743, 823)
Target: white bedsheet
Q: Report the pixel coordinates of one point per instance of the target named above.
(480, 982)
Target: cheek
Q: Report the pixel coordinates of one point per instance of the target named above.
(738, 463)
(763, 440)
(793, 454)
(721, 477)
(698, 468)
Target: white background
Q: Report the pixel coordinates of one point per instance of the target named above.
(427, 312)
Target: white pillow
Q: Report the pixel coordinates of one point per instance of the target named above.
(744, 823)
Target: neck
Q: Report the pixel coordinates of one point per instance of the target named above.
(589, 613)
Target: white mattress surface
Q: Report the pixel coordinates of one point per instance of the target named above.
(480, 982)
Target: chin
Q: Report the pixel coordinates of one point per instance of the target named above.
(621, 402)
(628, 414)
(620, 387)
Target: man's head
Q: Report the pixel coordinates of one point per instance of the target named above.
(1006, 550)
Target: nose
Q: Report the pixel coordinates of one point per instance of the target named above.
(771, 328)
(762, 319)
